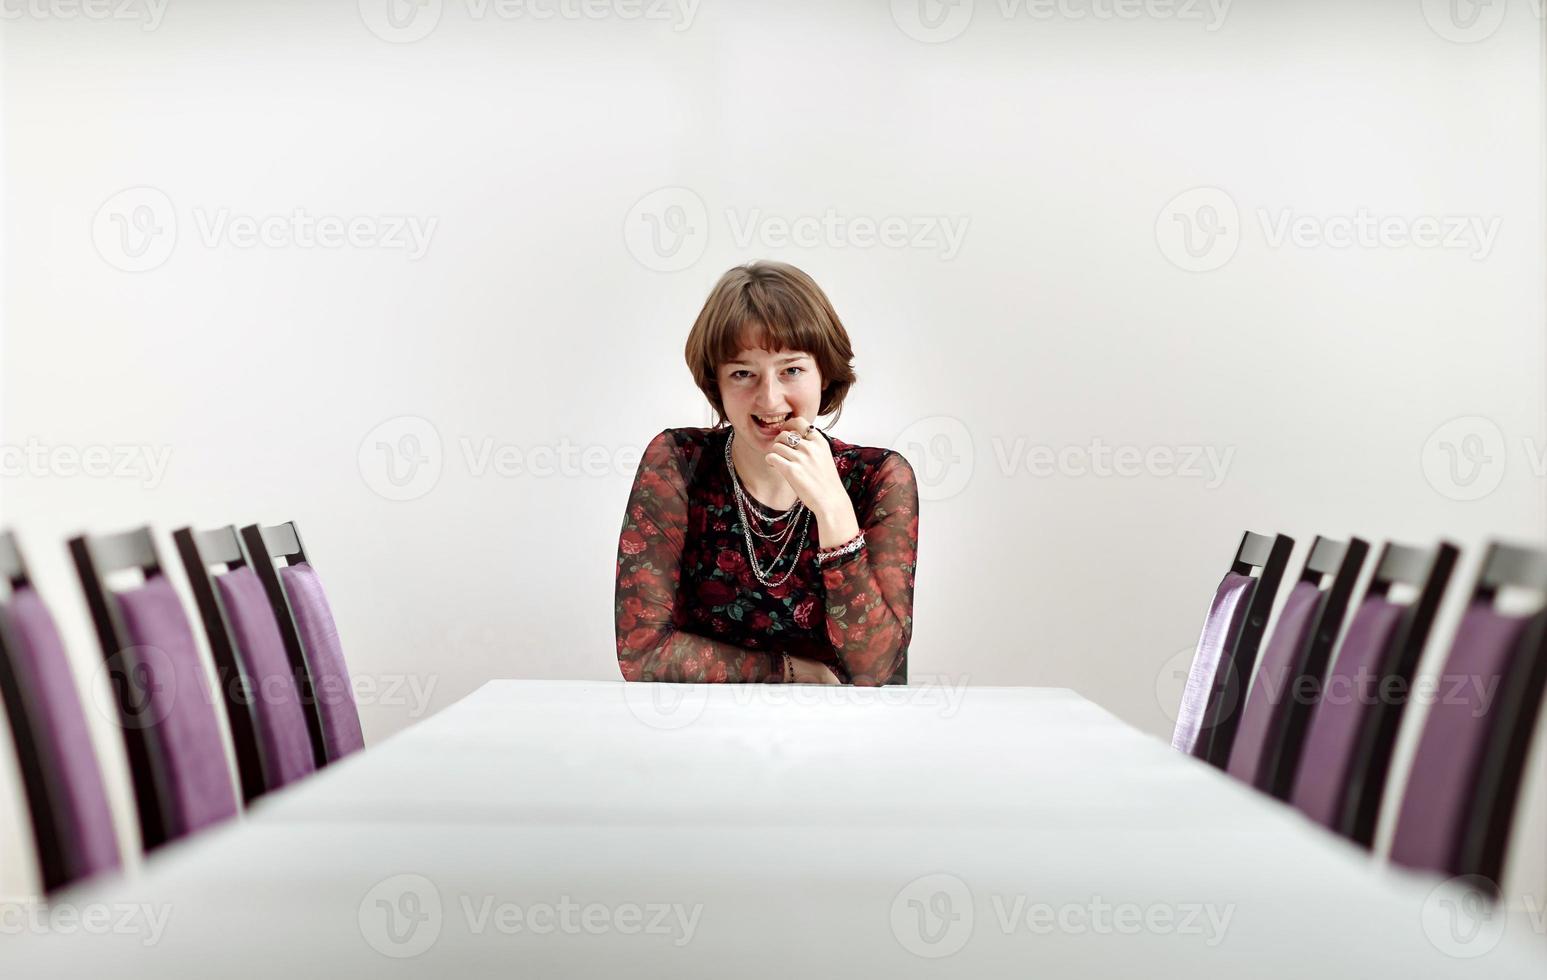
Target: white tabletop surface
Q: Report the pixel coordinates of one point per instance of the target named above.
(576, 828)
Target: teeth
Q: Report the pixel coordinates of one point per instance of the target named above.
(772, 420)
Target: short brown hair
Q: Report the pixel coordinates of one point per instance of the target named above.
(776, 307)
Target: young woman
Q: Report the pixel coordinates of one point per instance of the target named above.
(763, 549)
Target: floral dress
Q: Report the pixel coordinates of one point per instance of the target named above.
(689, 608)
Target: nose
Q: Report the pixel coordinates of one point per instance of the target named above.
(768, 395)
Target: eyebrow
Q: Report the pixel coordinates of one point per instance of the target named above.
(782, 360)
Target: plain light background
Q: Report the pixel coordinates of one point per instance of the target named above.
(584, 181)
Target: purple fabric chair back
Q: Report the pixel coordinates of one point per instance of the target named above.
(1442, 785)
(83, 822)
(171, 701)
(1352, 687)
(1269, 701)
(331, 687)
(280, 716)
(1220, 628)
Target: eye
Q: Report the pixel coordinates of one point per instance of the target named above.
(734, 374)
(800, 369)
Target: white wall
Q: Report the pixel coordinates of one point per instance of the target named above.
(540, 316)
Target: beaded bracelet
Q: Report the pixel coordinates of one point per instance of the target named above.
(788, 674)
(848, 547)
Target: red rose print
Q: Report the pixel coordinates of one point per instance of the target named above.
(631, 543)
(893, 580)
(804, 609)
(761, 620)
(633, 606)
(730, 561)
(642, 638)
(627, 621)
(715, 592)
(834, 634)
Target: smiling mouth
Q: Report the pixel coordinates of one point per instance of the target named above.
(763, 423)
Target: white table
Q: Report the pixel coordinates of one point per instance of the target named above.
(569, 828)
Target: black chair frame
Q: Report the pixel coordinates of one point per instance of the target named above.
(96, 557)
(1516, 711)
(1333, 567)
(283, 541)
(1429, 571)
(1267, 557)
(25, 715)
(202, 553)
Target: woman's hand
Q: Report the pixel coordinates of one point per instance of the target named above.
(812, 672)
(808, 467)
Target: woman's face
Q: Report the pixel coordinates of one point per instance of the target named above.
(769, 383)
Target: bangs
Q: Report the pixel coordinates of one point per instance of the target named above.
(765, 317)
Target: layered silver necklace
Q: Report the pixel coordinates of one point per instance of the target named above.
(754, 520)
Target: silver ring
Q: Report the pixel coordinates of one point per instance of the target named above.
(792, 439)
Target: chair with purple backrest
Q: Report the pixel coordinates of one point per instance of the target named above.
(306, 624)
(72, 823)
(1465, 778)
(1267, 747)
(269, 728)
(1348, 745)
(1227, 649)
(177, 758)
